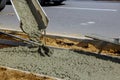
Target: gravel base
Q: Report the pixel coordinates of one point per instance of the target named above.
(65, 64)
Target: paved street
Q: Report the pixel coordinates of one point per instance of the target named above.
(76, 17)
(8, 18)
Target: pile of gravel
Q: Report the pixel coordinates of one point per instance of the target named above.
(65, 64)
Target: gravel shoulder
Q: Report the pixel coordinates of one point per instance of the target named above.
(65, 64)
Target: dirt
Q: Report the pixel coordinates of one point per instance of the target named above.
(79, 45)
(10, 74)
(64, 43)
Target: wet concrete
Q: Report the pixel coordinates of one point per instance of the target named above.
(65, 64)
(28, 22)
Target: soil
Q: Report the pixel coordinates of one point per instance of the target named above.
(80, 45)
(10, 74)
(65, 44)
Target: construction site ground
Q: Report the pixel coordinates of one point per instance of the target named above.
(69, 61)
(66, 42)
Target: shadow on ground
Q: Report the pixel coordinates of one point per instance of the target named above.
(100, 56)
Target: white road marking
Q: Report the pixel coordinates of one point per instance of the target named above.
(91, 22)
(94, 9)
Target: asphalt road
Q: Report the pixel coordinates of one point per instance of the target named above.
(76, 18)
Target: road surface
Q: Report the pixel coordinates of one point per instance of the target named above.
(76, 18)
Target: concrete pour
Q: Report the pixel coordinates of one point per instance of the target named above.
(29, 23)
(65, 64)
